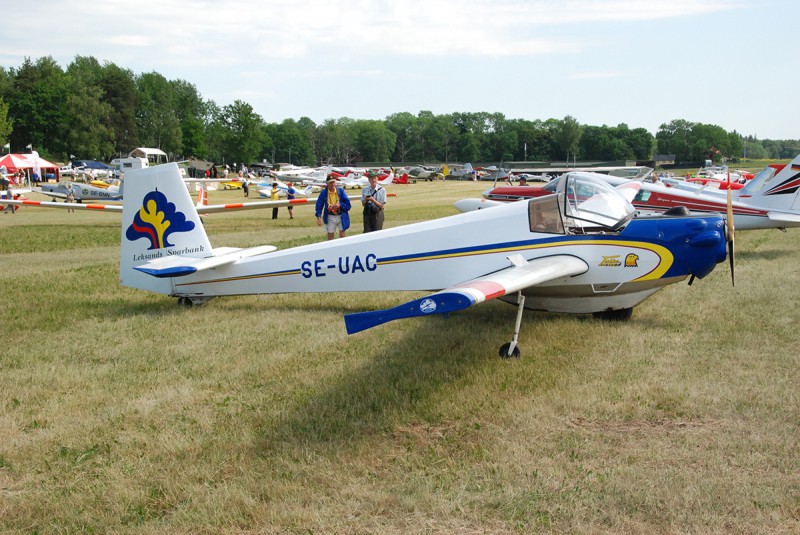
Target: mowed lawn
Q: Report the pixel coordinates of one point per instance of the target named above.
(121, 412)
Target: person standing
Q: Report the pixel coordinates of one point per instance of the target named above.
(332, 209)
(373, 198)
(290, 194)
(246, 187)
(274, 195)
(10, 196)
(70, 198)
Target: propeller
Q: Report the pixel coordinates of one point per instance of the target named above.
(730, 232)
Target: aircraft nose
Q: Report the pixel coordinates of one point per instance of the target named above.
(707, 248)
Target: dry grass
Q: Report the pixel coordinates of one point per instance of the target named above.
(120, 412)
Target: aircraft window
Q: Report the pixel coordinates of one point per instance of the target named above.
(642, 196)
(544, 215)
(593, 205)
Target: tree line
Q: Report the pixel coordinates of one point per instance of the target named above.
(99, 111)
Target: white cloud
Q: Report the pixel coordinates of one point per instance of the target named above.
(241, 31)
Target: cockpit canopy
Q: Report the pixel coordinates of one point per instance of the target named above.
(582, 204)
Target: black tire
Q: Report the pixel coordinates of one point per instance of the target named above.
(504, 351)
(185, 302)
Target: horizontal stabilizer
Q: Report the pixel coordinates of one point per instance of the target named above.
(179, 266)
(438, 303)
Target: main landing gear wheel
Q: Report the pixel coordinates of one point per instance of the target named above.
(623, 314)
(185, 302)
(504, 351)
(510, 349)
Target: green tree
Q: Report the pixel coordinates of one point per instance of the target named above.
(119, 90)
(6, 124)
(191, 112)
(403, 125)
(242, 131)
(640, 141)
(374, 140)
(336, 141)
(471, 132)
(754, 149)
(38, 106)
(501, 139)
(568, 136)
(156, 117)
(674, 138)
(88, 135)
(292, 144)
(534, 139)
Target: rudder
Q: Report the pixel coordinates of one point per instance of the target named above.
(159, 220)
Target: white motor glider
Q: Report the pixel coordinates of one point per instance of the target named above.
(580, 250)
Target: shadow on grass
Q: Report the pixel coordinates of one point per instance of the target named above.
(404, 383)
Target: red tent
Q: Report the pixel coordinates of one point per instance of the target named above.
(30, 163)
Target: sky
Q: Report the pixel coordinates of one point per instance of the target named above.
(643, 63)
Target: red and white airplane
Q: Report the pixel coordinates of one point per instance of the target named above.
(770, 200)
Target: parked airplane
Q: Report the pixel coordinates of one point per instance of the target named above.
(564, 253)
(770, 200)
(82, 192)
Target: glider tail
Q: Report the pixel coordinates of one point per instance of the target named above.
(159, 221)
(778, 191)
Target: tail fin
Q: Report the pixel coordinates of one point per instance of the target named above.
(159, 220)
(777, 191)
(387, 180)
(202, 196)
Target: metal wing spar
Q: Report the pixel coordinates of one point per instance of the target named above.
(521, 274)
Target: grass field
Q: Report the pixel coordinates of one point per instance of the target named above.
(122, 413)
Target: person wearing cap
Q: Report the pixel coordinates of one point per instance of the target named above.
(523, 181)
(373, 199)
(290, 193)
(274, 195)
(332, 209)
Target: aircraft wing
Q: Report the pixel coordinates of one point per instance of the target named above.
(784, 217)
(520, 274)
(213, 208)
(66, 205)
(51, 194)
(629, 189)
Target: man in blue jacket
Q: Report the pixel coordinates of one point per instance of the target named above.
(332, 209)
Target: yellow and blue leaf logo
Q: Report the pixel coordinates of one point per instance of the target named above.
(156, 220)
